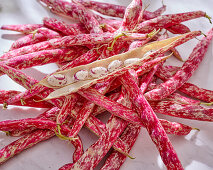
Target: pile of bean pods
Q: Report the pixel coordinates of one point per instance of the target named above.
(105, 64)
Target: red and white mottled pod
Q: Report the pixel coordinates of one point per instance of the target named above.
(98, 150)
(178, 29)
(80, 39)
(42, 34)
(44, 57)
(165, 21)
(187, 88)
(4, 95)
(186, 111)
(182, 99)
(131, 16)
(69, 103)
(67, 29)
(23, 143)
(77, 11)
(175, 128)
(151, 123)
(23, 28)
(116, 10)
(111, 106)
(116, 159)
(184, 73)
(18, 76)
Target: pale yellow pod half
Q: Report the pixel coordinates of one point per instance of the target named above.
(163, 46)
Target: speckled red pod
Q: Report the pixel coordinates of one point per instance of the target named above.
(186, 111)
(61, 26)
(41, 34)
(116, 159)
(23, 143)
(87, 109)
(116, 10)
(111, 106)
(77, 12)
(4, 94)
(44, 57)
(184, 73)
(97, 151)
(131, 16)
(17, 76)
(165, 21)
(69, 103)
(182, 99)
(49, 114)
(197, 92)
(178, 29)
(187, 88)
(175, 128)
(151, 123)
(23, 28)
(80, 39)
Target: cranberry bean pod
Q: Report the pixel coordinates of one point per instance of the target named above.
(178, 29)
(181, 76)
(23, 143)
(61, 26)
(23, 28)
(41, 34)
(187, 88)
(116, 10)
(80, 39)
(97, 151)
(44, 57)
(131, 16)
(152, 124)
(165, 21)
(186, 111)
(77, 11)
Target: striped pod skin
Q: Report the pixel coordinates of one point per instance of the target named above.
(80, 39)
(97, 151)
(152, 124)
(187, 88)
(41, 34)
(23, 28)
(44, 57)
(186, 111)
(116, 10)
(184, 73)
(61, 26)
(78, 12)
(23, 143)
(131, 16)
(165, 21)
(178, 29)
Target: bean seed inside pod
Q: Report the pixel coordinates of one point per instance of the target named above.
(98, 72)
(57, 80)
(114, 65)
(81, 75)
(130, 61)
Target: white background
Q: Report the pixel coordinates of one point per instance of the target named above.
(195, 150)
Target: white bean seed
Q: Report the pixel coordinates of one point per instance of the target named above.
(81, 75)
(114, 65)
(130, 61)
(57, 80)
(98, 72)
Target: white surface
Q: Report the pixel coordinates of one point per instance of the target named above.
(195, 150)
